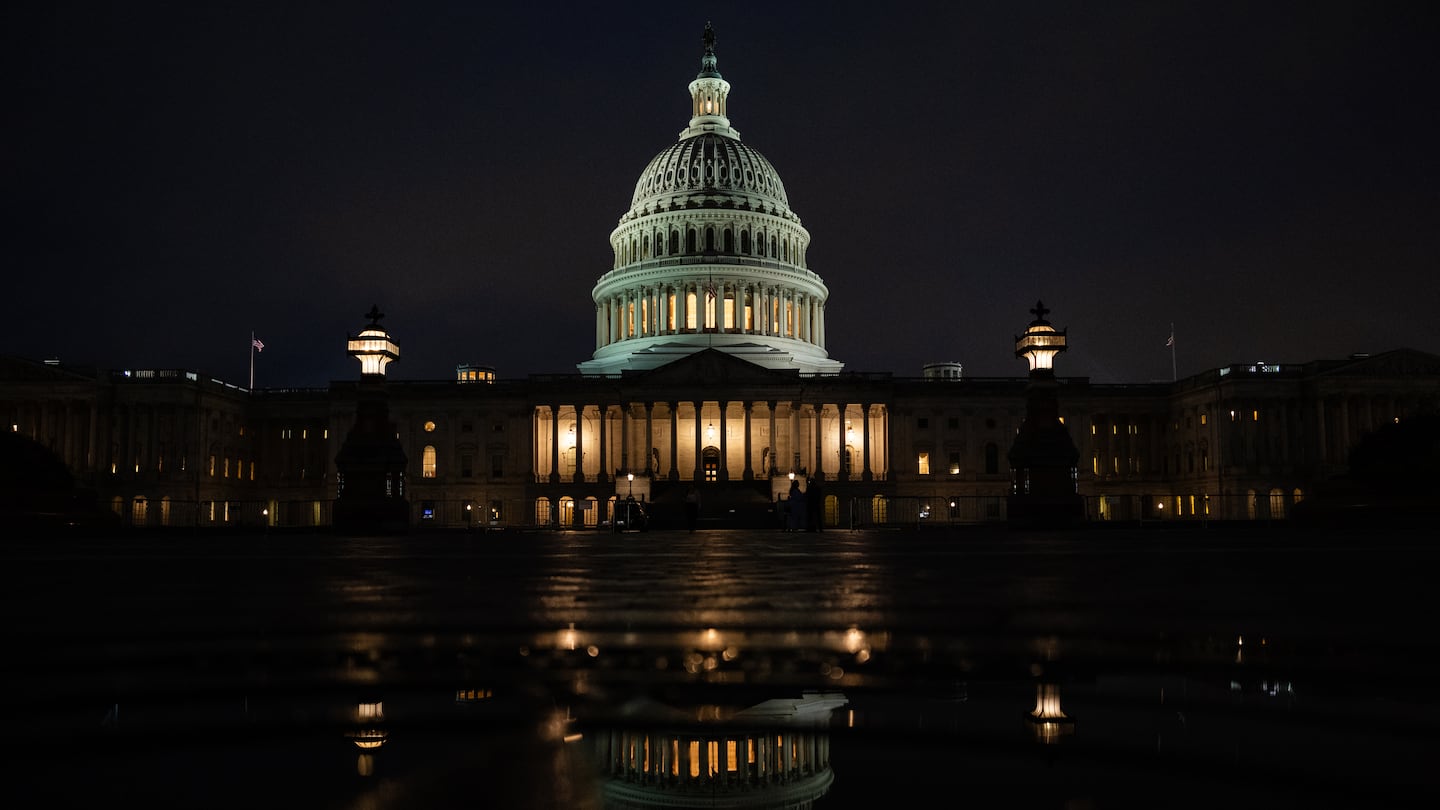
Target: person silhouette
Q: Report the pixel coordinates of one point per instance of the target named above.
(814, 506)
(795, 508)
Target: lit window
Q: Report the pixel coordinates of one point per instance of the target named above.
(1204, 418)
(429, 427)
(1255, 416)
(923, 464)
(427, 461)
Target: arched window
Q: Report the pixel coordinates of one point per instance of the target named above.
(744, 241)
(690, 239)
(709, 238)
(729, 241)
(427, 462)
(711, 459)
(1277, 503)
(542, 511)
(760, 244)
(674, 242)
(591, 515)
(879, 509)
(567, 511)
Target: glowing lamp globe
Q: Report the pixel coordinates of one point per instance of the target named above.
(373, 346)
(1041, 341)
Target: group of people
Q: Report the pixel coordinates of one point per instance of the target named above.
(804, 509)
(801, 510)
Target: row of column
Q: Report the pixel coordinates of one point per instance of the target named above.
(68, 427)
(695, 306)
(793, 459)
(663, 759)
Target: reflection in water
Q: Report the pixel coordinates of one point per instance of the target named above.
(1050, 722)
(545, 676)
(775, 754)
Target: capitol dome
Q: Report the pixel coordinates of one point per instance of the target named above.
(710, 168)
(709, 256)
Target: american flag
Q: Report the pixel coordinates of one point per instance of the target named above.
(1170, 341)
(255, 342)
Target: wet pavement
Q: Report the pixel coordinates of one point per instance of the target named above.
(1116, 667)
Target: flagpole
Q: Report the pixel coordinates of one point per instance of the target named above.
(1173, 375)
(252, 360)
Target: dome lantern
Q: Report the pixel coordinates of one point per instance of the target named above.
(708, 95)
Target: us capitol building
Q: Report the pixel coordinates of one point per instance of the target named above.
(709, 370)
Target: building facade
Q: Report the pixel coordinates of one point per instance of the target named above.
(709, 369)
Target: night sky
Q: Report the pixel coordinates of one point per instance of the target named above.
(1263, 175)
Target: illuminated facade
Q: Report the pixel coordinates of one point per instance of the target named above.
(709, 367)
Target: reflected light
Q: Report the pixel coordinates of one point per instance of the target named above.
(1051, 723)
(370, 734)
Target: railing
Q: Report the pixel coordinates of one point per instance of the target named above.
(857, 512)
(920, 512)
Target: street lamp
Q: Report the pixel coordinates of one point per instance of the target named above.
(631, 478)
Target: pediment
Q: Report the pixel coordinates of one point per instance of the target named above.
(1396, 363)
(711, 367)
(19, 369)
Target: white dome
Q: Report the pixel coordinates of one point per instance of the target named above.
(709, 256)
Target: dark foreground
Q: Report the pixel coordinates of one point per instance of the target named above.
(1208, 667)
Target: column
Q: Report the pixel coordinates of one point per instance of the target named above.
(604, 450)
(1344, 427)
(749, 445)
(774, 440)
(649, 436)
(723, 474)
(579, 444)
(699, 474)
(865, 475)
(819, 471)
(793, 446)
(842, 472)
(674, 440)
(625, 437)
(554, 444)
